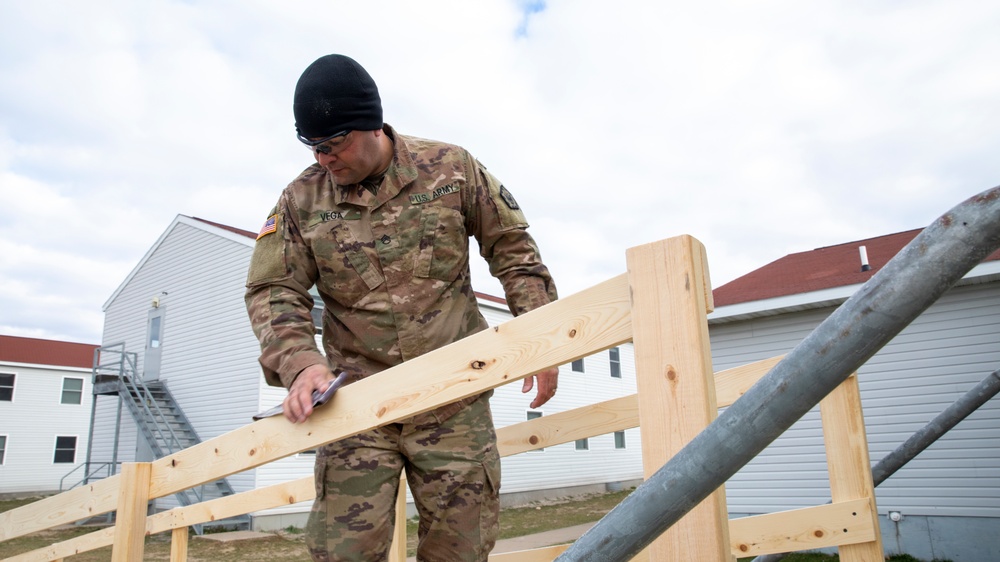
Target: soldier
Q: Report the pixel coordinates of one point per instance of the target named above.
(380, 225)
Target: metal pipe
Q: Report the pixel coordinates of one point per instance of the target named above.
(922, 271)
(941, 424)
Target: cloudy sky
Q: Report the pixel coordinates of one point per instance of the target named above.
(761, 128)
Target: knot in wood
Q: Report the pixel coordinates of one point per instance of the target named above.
(818, 534)
(572, 333)
(744, 548)
(253, 452)
(671, 374)
(533, 440)
(477, 364)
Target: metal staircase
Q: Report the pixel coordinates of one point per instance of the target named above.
(158, 417)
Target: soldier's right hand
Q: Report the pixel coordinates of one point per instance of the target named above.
(298, 403)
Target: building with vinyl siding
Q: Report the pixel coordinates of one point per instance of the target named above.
(45, 399)
(181, 310)
(948, 497)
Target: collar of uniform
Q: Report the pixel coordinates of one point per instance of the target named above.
(401, 172)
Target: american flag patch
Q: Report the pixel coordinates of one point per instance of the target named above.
(270, 226)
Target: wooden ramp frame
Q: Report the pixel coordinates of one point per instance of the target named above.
(661, 304)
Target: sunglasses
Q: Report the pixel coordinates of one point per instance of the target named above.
(330, 145)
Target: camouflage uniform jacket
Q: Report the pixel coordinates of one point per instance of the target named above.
(391, 264)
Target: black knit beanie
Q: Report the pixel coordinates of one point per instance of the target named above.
(336, 94)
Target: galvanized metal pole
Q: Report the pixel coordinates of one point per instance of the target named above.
(922, 271)
(941, 424)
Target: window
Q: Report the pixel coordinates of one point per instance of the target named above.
(533, 416)
(65, 450)
(616, 362)
(3, 447)
(619, 440)
(154, 332)
(6, 387)
(72, 392)
(578, 366)
(582, 444)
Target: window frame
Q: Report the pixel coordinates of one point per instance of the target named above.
(4, 445)
(623, 444)
(62, 395)
(583, 444)
(56, 449)
(578, 363)
(13, 385)
(615, 362)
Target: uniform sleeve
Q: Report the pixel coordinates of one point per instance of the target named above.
(277, 297)
(499, 225)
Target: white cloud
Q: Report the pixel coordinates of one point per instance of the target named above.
(760, 128)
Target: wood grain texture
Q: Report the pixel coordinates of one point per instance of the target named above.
(558, 333)
(802, 529)
(849, 464)
(133, 502)
(675, 381)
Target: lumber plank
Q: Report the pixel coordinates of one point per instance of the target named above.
(730, 384)
(848, 462)
(286, 493)
(179, 545)
(674, 376)
(67, 507)
(133, 501)
(70, 547)
(397, 551)
(560, 332)
(588, 421)
(544, 554)
(802, 529)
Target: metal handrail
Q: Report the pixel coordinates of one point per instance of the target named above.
(88, 473)
(913, 280)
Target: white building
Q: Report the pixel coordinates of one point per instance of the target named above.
(45, 405)
(181, 311)
(949, 496)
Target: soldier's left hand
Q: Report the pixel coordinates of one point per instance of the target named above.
(548, 381)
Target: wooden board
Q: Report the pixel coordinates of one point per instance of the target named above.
(848, 462)
(558, 333)
(673, 360)
(802, 529)
(133, 501)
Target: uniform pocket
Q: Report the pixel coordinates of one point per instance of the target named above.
(444, 244)
(346, 273)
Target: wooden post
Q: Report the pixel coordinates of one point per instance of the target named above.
(397, 552)
(179, 545)
(671, 298)
(130, 525)
(848, 462)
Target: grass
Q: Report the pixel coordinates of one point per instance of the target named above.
(288, 545)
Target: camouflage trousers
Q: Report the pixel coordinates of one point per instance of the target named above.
(452, 468)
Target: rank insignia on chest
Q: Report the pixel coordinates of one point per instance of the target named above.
(270, 225)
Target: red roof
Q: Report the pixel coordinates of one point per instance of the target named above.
(46, 352)
(240, 231)
(822, 268)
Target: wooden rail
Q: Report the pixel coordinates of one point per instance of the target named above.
(669, 280)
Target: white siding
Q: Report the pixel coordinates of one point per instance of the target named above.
(33, 420)
(564, 465)
(931, 363)
(209, 351)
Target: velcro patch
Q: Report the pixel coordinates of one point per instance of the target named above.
(270, 226)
